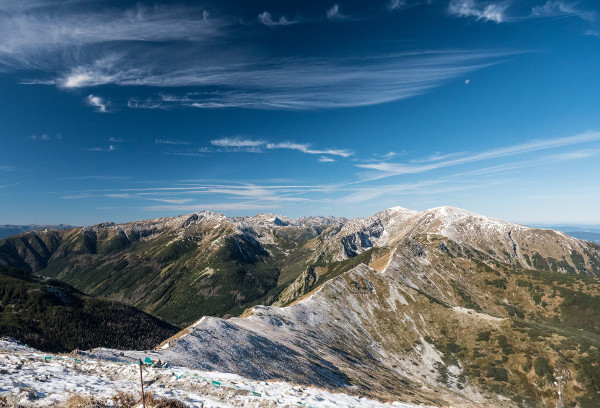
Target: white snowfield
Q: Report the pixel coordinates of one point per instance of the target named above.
(28, 378)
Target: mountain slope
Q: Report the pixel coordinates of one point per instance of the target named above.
(441, 307)
(441, 313)
(53, 316)
(185, 267)
(176, 268)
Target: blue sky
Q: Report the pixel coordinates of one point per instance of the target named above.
(118, 110)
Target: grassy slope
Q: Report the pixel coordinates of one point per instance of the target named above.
(552, 329)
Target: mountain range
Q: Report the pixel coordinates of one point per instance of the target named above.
(436, 307)
(9, 230)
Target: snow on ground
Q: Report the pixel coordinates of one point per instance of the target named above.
(30, 378)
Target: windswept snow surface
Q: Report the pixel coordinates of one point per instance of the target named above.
(30, 379)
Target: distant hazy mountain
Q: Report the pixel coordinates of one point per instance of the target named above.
(585, 232)
(10, 230)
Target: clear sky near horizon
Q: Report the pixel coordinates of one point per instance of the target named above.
(118, 110)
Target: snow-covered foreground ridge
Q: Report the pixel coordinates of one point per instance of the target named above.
(30, 378)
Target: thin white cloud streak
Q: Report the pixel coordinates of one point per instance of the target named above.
(394, 169)
(77, 196)
(120, 195)
(260, 197)
(437, 157)
(113, 139)
(172, 201)
(256, 146)
(170, 142)
(335, 14)
(9, 185)
(267, 19)
(184, 154)
(466, 180)
(190, 196)
(310, 83)
(305, 148)
(325, 159)
(212, 207)
(98, 103)
(110, 148)
(488, 11)
(555, 8)
(102, 177)
(44, 137)
(393, 5)
(237, 142)
(254, 196)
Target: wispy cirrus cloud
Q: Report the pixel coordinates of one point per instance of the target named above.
(395, 5)
(437, 157)
(325, 159)
(306, 148)
(196, 195)
(110, 148)
(266, 18)
(76, 46)
(47, 25)
(98, 103)
(171, 142)
(185, 154)
(558, 8)
(487, 10)
(45, 137)
(335, 14)
(237, 142)
(393, 169)
(315, 83)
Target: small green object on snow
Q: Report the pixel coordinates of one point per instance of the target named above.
(78, 360)
(256, 394)
(47, 358)
(216, 384)
(147, 361)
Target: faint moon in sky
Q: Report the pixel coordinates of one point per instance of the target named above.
(467, 81)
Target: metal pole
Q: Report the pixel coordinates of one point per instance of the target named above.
(560, 402)
(142, 382)
(559, 383)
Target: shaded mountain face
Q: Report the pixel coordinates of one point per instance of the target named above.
(53, 316)
(442, 307)
(176, 268)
